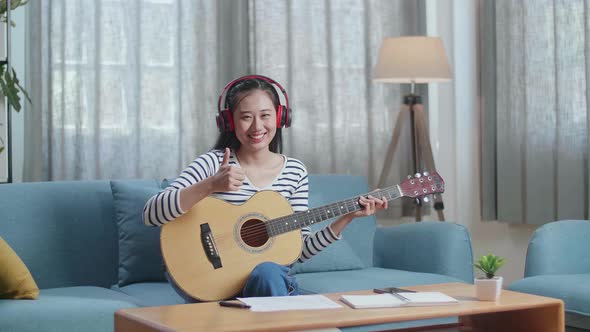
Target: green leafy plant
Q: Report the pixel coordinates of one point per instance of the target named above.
(489, 264)
(9, 83)
(13, 5)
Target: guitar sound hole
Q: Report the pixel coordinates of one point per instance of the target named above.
(254, 233)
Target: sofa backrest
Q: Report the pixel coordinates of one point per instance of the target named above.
(63, 231)
(66, 231)
(559, 247)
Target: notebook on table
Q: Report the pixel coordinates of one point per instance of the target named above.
(387, 300)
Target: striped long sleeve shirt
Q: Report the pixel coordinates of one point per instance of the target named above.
(292, 183)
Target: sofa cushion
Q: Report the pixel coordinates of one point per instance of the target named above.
(64, 231)
(338, 256)
(140, 258)
(151, 293)
(16, 281)
(86, 308)
(573, 289)
(369, 278)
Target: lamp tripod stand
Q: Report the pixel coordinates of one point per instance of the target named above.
(422, 159)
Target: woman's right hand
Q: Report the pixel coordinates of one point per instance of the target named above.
(228, 178)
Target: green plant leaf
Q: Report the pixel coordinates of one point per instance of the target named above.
(11, 88)
(13, 5)
(17, 82)
(489, 264)
(10, 91)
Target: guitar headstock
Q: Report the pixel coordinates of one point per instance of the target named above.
(422, 184)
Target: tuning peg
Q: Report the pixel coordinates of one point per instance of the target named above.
(417, 175)
(426, 174)
(409, 177)
(426, 199)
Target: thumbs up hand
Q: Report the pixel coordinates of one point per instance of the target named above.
(228, 178)
(226, 154)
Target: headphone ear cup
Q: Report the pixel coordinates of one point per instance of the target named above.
(224, 121)
(288, 115)
(283, 117)
(229, 121)
(280, 116)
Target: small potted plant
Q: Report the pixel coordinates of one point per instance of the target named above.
(488, 288)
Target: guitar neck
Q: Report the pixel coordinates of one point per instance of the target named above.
(319, 214)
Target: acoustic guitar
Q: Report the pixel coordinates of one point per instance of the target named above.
(211, 250)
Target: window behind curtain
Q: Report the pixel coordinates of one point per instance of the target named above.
(535, 120)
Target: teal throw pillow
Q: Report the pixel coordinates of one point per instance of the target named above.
(140, 258)
(336, 257)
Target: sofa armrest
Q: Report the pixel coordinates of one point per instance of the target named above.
(429, 247)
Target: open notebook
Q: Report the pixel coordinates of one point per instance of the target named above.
(398, 300)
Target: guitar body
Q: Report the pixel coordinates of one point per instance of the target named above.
(211, 250)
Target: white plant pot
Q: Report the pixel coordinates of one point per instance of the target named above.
(488, 289)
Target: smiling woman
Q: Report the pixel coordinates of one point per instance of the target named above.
(246, 164)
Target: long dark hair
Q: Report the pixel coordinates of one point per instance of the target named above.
(235, 94)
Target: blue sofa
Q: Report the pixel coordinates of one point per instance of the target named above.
(89, 253)
(558, 265)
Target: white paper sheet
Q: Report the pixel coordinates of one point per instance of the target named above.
(300, 302)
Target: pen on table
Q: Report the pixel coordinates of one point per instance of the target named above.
(399, 296)
(233, 304)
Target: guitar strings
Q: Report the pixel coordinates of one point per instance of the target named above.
(262, 230)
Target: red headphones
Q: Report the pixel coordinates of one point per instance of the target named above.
(224, 118)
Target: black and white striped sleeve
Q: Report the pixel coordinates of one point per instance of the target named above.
(165, 206)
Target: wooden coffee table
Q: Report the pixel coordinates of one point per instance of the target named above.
(512, 312)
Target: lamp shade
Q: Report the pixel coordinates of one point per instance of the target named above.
(412, 59)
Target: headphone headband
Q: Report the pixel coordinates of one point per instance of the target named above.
(243, 78)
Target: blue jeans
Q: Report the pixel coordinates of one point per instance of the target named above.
(267, 279)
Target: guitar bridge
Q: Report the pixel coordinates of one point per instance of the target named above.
(208, 242)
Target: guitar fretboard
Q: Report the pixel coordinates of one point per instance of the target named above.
(319, 214)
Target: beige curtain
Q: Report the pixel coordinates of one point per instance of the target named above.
(536, 70)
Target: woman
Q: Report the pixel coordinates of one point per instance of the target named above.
(246, 159)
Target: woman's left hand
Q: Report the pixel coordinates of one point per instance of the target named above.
(371, 205)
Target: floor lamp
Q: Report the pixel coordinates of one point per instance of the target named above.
(413, 60)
